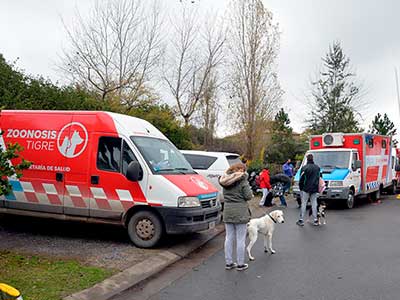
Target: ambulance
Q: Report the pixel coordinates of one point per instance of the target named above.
(107, 168)
(352, 165)
(396, 158)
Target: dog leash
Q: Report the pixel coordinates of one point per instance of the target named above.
(271, 218)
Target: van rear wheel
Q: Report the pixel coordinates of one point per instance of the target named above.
(145, 229)
(393, 188)
(376, 195)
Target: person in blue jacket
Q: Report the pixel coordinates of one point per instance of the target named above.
(288, 170)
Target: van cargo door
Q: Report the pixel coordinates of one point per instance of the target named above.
(41, 187)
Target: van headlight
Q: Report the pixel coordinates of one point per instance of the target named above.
(335, 183)
(188, 202)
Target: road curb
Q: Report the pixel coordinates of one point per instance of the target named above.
(131, 276)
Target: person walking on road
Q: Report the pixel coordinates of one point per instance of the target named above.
(309, 186)
(236, 214)
(288, 170)
(265, 186)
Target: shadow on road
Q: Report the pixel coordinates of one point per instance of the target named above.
(46, 228)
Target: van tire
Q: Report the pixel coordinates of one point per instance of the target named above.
(350, 200)
(145, 229)
(393, 188)
(376, 195)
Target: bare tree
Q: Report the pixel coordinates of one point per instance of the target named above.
(209, 108)
(116, 50)
(253, 82)
(194, 53)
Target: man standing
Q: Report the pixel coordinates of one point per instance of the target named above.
(288, 169)
(309, 183)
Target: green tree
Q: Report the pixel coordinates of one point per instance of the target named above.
(383, 125)
(19, 91)
(163, 117)
(11, 152)
(283, 145)
(335, 95)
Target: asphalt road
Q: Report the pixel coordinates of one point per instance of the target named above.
(355, 256)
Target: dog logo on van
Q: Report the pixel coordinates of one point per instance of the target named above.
(72, 140)
(199, 182)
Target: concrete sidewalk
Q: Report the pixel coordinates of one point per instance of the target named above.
(133, 275)
(150, 266)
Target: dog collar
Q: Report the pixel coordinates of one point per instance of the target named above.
(272, 218)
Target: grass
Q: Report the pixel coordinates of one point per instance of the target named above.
(39, 278)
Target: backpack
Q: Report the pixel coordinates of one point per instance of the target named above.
(258, 180)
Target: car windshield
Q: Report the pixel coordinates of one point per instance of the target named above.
(331, 159)
(162, 156)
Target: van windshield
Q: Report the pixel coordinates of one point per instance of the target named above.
(162, 156)
(331, 159)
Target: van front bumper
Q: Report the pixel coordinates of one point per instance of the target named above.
(331, 193)
(184, 220)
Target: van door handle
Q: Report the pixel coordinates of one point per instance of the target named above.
(94, 179)
(59, 177)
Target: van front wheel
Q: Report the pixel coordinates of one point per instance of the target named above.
(145, 229)
(350, 200)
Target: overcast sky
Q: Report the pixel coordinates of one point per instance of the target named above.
(368, 30)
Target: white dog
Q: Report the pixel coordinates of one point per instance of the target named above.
(264, 225)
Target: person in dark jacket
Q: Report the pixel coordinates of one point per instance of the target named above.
(284, 181)
(308, 184)
(236, 214)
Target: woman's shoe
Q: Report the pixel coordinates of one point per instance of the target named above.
(230, 266)
(242, 267)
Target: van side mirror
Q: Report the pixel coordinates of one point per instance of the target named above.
(134, 172)
(356, 165)
(397, 168)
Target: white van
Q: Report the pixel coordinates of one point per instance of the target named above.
(211, 165)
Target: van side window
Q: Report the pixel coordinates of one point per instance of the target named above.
(127, 157)
(200, 162)
(109, 154)
(371, 143)
(355, 157)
